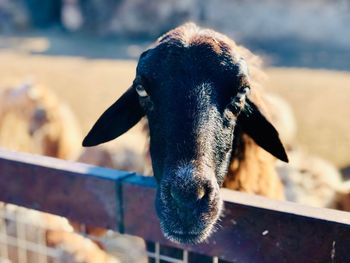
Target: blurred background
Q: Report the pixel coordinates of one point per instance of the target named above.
(90, 47)
(62, 62)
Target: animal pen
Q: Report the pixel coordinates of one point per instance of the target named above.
(252, 228)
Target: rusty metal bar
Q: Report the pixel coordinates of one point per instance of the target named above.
(252, 229)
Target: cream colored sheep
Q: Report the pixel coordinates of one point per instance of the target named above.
(313, 181)
(33, 120)
(121, 158)
(310, 180)
(45, 230)
(307, 179)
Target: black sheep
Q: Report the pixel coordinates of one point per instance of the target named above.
(205, 124)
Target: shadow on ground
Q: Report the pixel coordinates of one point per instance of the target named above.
(74, 45)
(287, 52)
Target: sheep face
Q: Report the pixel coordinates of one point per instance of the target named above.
(193, 89)
(191, 133)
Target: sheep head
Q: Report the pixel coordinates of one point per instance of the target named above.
(193, 89)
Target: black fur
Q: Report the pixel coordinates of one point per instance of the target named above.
(191, 77)
(116, 120)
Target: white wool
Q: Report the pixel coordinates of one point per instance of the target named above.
(309, 180)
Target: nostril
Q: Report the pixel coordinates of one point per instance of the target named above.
(187, 198)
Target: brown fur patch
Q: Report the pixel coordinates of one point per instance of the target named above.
(254, 173)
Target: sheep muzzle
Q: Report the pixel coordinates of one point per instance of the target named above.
(188, 205)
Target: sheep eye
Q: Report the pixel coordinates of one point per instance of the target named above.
(141, 91)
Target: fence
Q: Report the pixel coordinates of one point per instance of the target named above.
(252, 229)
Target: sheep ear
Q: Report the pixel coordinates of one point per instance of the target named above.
(116, 120)
(255, 124)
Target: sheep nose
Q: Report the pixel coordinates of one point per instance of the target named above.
(187, 199)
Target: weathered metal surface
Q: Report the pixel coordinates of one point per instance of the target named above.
(77, 191)
(252, 229)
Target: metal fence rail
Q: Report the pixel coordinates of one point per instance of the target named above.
(252, 229)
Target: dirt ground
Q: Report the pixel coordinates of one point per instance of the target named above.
(321, 102)
(320, 98)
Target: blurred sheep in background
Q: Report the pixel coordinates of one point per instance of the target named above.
(52, 234)
(307, 179)
(310, 180)
(123, 158)
(33, 120)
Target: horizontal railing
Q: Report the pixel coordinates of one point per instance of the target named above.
(252, 228)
